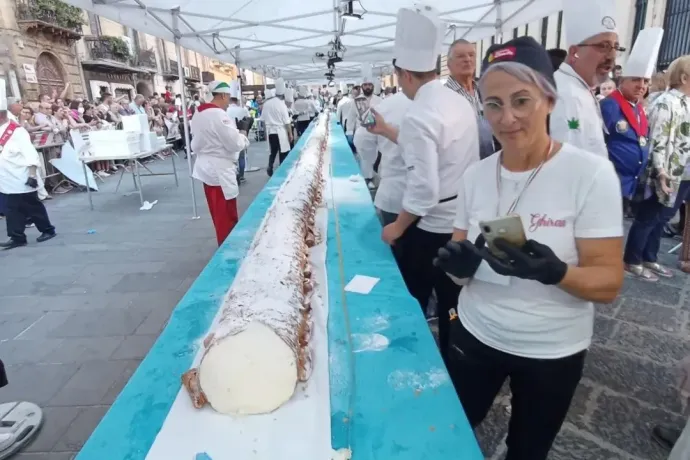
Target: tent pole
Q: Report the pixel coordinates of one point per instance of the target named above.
(247, 166)
(499, 21)
(185, 116)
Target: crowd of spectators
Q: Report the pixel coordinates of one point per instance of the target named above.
(53, 117)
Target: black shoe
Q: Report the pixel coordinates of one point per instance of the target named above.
(270, 172)
(666, 436)
(46, 237)
(11, 244)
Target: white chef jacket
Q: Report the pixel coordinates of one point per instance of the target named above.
(311, 109)
(275, 116)
(392, 168)
(439, 139)
(342, 109)
(217, 144)
(16, 158)
(576, 119)
(302, 108)
(235, 112)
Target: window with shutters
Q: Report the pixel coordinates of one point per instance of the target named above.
(559, 30)
(544, 31)
(640, 18)
(677, 31)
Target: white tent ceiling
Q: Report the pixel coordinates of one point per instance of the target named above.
(291, 38)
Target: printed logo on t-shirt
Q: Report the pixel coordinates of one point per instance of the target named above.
(543, 220)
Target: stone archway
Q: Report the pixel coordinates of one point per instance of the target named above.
(50, 74)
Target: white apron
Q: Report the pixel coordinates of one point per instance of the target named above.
(282, 136)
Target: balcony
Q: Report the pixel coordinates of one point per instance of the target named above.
(171, 70)
(108, 53)
(50, 16)
(194, 74)
(207, 77)
(147, 60)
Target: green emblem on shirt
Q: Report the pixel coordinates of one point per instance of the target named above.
(574, 123)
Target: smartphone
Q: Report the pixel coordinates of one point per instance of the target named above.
(366, 118)
(509, 228)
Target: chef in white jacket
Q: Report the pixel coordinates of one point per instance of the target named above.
(439, 140)
(302, 108)
(217, 144)
(19, 181)
(392, 169)
(591, 29)
(278, 125)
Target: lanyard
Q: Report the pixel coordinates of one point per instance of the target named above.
(531, 178)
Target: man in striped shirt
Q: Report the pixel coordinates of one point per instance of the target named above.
(462, 64)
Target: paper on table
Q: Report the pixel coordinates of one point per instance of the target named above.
(361, 284)
(300, 429)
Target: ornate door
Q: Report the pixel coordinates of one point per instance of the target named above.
(49, 75)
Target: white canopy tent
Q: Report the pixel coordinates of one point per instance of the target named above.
(294, 39)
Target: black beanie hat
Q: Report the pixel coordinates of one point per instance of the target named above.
(524, 50)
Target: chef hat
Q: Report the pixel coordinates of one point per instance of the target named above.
(216, 87)
(270, 93)
(235, 89)
(367, 73)
(642, 60)
(3, 95)
(586, 18)
(280, 87)
(343, 87)
(418, 38)
(289, 95)
(302, 91)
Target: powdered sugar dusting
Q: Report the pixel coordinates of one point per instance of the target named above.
(401, 380)
(267, 286)
(369, 342)
(350, 192)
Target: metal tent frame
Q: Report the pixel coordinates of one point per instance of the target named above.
(292, 38)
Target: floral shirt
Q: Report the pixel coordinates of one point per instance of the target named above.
(669, 122)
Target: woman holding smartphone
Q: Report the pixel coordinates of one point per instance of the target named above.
(528, 315)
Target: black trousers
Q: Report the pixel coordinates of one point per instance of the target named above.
(302, 126)
(542, 390)
(20, 208)
(418, 248)
(274, 145)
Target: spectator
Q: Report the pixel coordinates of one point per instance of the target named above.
(137, 106)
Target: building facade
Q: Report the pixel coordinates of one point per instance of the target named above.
(38, 48)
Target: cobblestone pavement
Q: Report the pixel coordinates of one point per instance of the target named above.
(631, 377)
(79, 312)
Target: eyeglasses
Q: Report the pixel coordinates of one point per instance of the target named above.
(605, 47)
(521, 107)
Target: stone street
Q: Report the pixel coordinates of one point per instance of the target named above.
(78, 314)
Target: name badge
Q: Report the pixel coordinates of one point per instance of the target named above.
(622, 127)
(643, 141)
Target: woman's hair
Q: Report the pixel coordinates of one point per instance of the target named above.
(74, 105)
(659, 82)
(524, 74)
(55, 109)
(678, 69)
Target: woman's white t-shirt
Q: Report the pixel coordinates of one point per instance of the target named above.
(575, 195)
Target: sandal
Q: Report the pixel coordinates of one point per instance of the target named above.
(639, 271)
(658, 269)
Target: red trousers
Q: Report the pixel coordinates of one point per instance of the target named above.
(223, 212)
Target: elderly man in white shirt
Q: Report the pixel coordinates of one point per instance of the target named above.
(19, 181)
(591, 29)
(217, 144)
(439, 140)
(278, 126)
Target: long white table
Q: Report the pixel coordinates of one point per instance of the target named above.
(133, 161)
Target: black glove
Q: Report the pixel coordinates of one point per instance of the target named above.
(533, 261)
(460, 259)
(244, 124)
(32, 182)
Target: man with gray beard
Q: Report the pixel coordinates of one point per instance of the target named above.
(576, 118)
